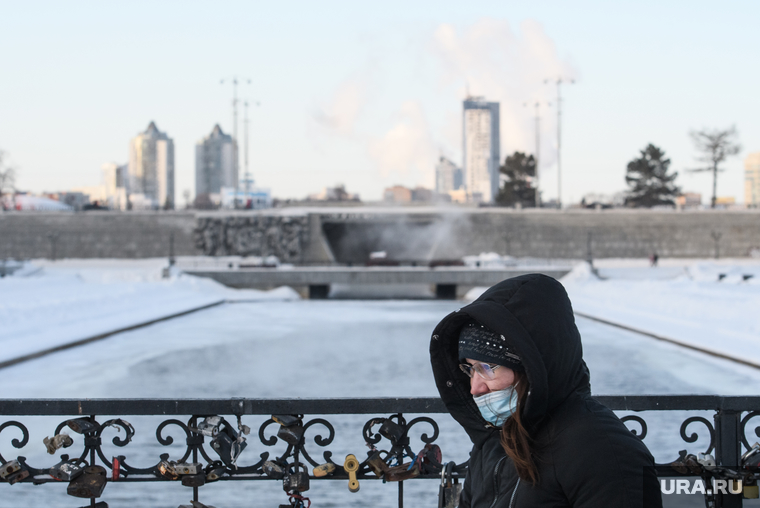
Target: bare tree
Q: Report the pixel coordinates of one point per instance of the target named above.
(715, 146)
(7, 176)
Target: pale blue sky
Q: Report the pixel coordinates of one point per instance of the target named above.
(369, 94)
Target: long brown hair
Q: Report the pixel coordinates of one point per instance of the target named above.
(515, 438)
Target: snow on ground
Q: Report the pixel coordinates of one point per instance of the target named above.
(48, 303)
(684, 301)
(711, 304)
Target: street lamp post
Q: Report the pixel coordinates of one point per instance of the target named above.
(559, 82)
(537, 105)
(234, 81)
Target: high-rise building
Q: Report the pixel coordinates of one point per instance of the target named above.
(448, 176)
(752, 179)
(115, 185)
(215, 163)
(151, 168)
(480, 139)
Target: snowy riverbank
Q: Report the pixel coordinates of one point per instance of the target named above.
(46, 303)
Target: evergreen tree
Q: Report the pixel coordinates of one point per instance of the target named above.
(518, 173)
(649, 181)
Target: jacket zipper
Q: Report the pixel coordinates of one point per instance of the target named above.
(496, 481)
(496, 485)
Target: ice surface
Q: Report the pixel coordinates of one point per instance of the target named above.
(349, 348)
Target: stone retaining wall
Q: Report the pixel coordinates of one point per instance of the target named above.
(324, 236)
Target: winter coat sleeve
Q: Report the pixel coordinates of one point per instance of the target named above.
(599, 463)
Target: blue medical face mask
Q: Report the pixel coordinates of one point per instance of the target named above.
(497, 406)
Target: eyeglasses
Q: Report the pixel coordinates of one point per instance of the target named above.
(484, 370)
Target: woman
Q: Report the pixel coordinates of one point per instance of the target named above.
(510, 369)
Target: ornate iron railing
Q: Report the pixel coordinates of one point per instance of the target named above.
(216, 447)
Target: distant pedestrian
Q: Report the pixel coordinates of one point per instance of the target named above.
(653, 258)
(509, 368)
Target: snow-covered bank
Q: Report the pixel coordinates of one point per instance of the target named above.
(710, 304)
(47, 304)
(689, 302)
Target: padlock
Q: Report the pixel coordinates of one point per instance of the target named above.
(402, 472)
(377, 464)
(116, 470)
(209, 426)
(66, 470)
(706, 460)
(286, 420)
(194, 480)
(196, 504)
(291, 434)
(228, 445)
(296, 482)
(14, 471)
(182, 468)
(324, 470)
(56, 442)
(89, 484)
(9, 468)
(391, 430)
(430, 458)
(273, 470)
(214, 471)
(166, 468)
(686, 464)
(351, 466)
(291, 428)
(751, 458)
(749, 488)
(450, 490)
(81, 425)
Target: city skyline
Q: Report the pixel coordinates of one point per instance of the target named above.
(383, 98)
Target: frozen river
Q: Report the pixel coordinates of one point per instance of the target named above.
(314, 349)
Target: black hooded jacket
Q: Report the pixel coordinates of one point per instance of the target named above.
(586, 457)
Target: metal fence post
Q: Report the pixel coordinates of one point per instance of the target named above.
(727, 442)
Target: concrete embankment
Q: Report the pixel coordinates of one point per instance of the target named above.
(348, 235)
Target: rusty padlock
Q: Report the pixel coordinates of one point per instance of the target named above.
(81, 425)
(14, 471)
(90, 483)
(273, 470)
(297, 481)
(402, 472)
(166, 469)
(377, 463)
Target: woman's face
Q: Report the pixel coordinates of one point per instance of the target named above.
(504, 377)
